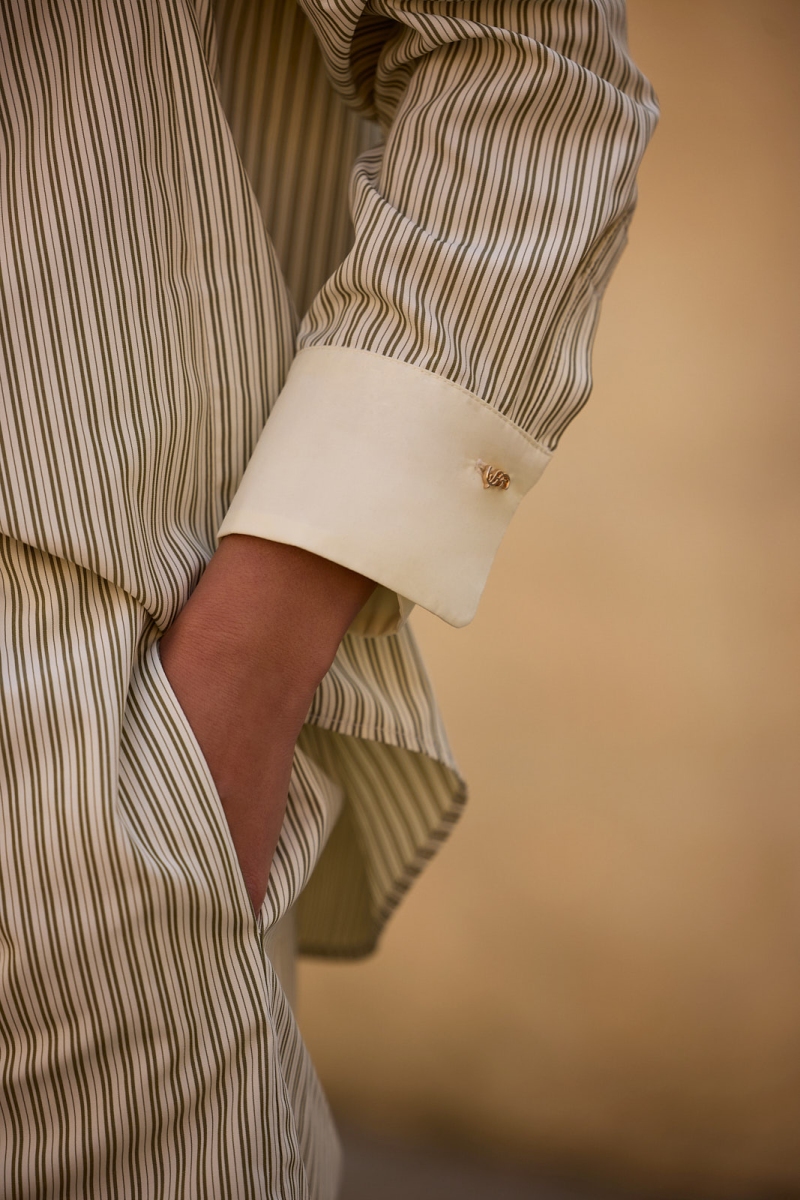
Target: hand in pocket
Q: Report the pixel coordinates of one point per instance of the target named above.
(244, 658)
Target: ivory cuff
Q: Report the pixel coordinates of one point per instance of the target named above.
(382, 466)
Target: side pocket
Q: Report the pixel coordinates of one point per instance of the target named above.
(167, 799)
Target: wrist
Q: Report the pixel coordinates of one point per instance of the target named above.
(271, 611)
(287, 603)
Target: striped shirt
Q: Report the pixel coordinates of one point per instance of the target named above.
(385, 227)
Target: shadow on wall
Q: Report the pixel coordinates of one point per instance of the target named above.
(601, 969)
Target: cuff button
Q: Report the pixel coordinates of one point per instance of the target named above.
(493, 477)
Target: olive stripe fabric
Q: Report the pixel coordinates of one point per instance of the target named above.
(490, 217)
(487, 226)
(297, 139)
(175, 187)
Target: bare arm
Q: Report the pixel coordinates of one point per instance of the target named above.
(244, 658)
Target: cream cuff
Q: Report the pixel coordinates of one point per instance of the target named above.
(383, 467)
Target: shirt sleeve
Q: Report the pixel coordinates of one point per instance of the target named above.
(439, 365)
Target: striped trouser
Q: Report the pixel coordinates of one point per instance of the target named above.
(147, 1047)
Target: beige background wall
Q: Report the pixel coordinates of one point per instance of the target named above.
(603, 967)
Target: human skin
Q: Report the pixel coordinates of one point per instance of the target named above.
(244, 657)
